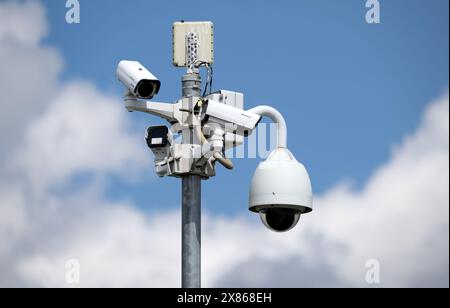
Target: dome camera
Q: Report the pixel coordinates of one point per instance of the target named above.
(280, 191)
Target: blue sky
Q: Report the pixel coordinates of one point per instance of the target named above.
(348, 90)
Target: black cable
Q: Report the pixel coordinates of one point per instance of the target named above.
(206, 88)
(210, 73)
(208, 80)
(211, 79)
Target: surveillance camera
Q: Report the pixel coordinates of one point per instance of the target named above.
(157, 137)
(139, 81)
(234, 119)
(280, 191)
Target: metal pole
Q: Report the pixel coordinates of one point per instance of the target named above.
(191, 203)
(191, 232)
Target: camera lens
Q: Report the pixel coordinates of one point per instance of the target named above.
(145, 89)
(280, 219)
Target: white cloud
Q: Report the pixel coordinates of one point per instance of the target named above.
(23, 22)
(400, 217)
(47, 137)
(26, 67)
(116, 246)
(12, 217)
(82, 131)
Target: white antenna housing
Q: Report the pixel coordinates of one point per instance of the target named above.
(188, 34)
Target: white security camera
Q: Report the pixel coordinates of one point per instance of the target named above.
(234, 120)
(138, 80)
(280, 191)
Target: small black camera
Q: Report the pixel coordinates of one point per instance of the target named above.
(157, 136)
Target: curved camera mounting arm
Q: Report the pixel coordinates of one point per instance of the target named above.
(277, 118)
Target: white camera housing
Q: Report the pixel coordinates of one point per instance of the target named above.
(233, 119)
(138, 80)
(281, 191)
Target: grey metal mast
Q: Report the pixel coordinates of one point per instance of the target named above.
(191, 197)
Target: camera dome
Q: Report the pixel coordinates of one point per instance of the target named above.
(279, 219)
(280, 191)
